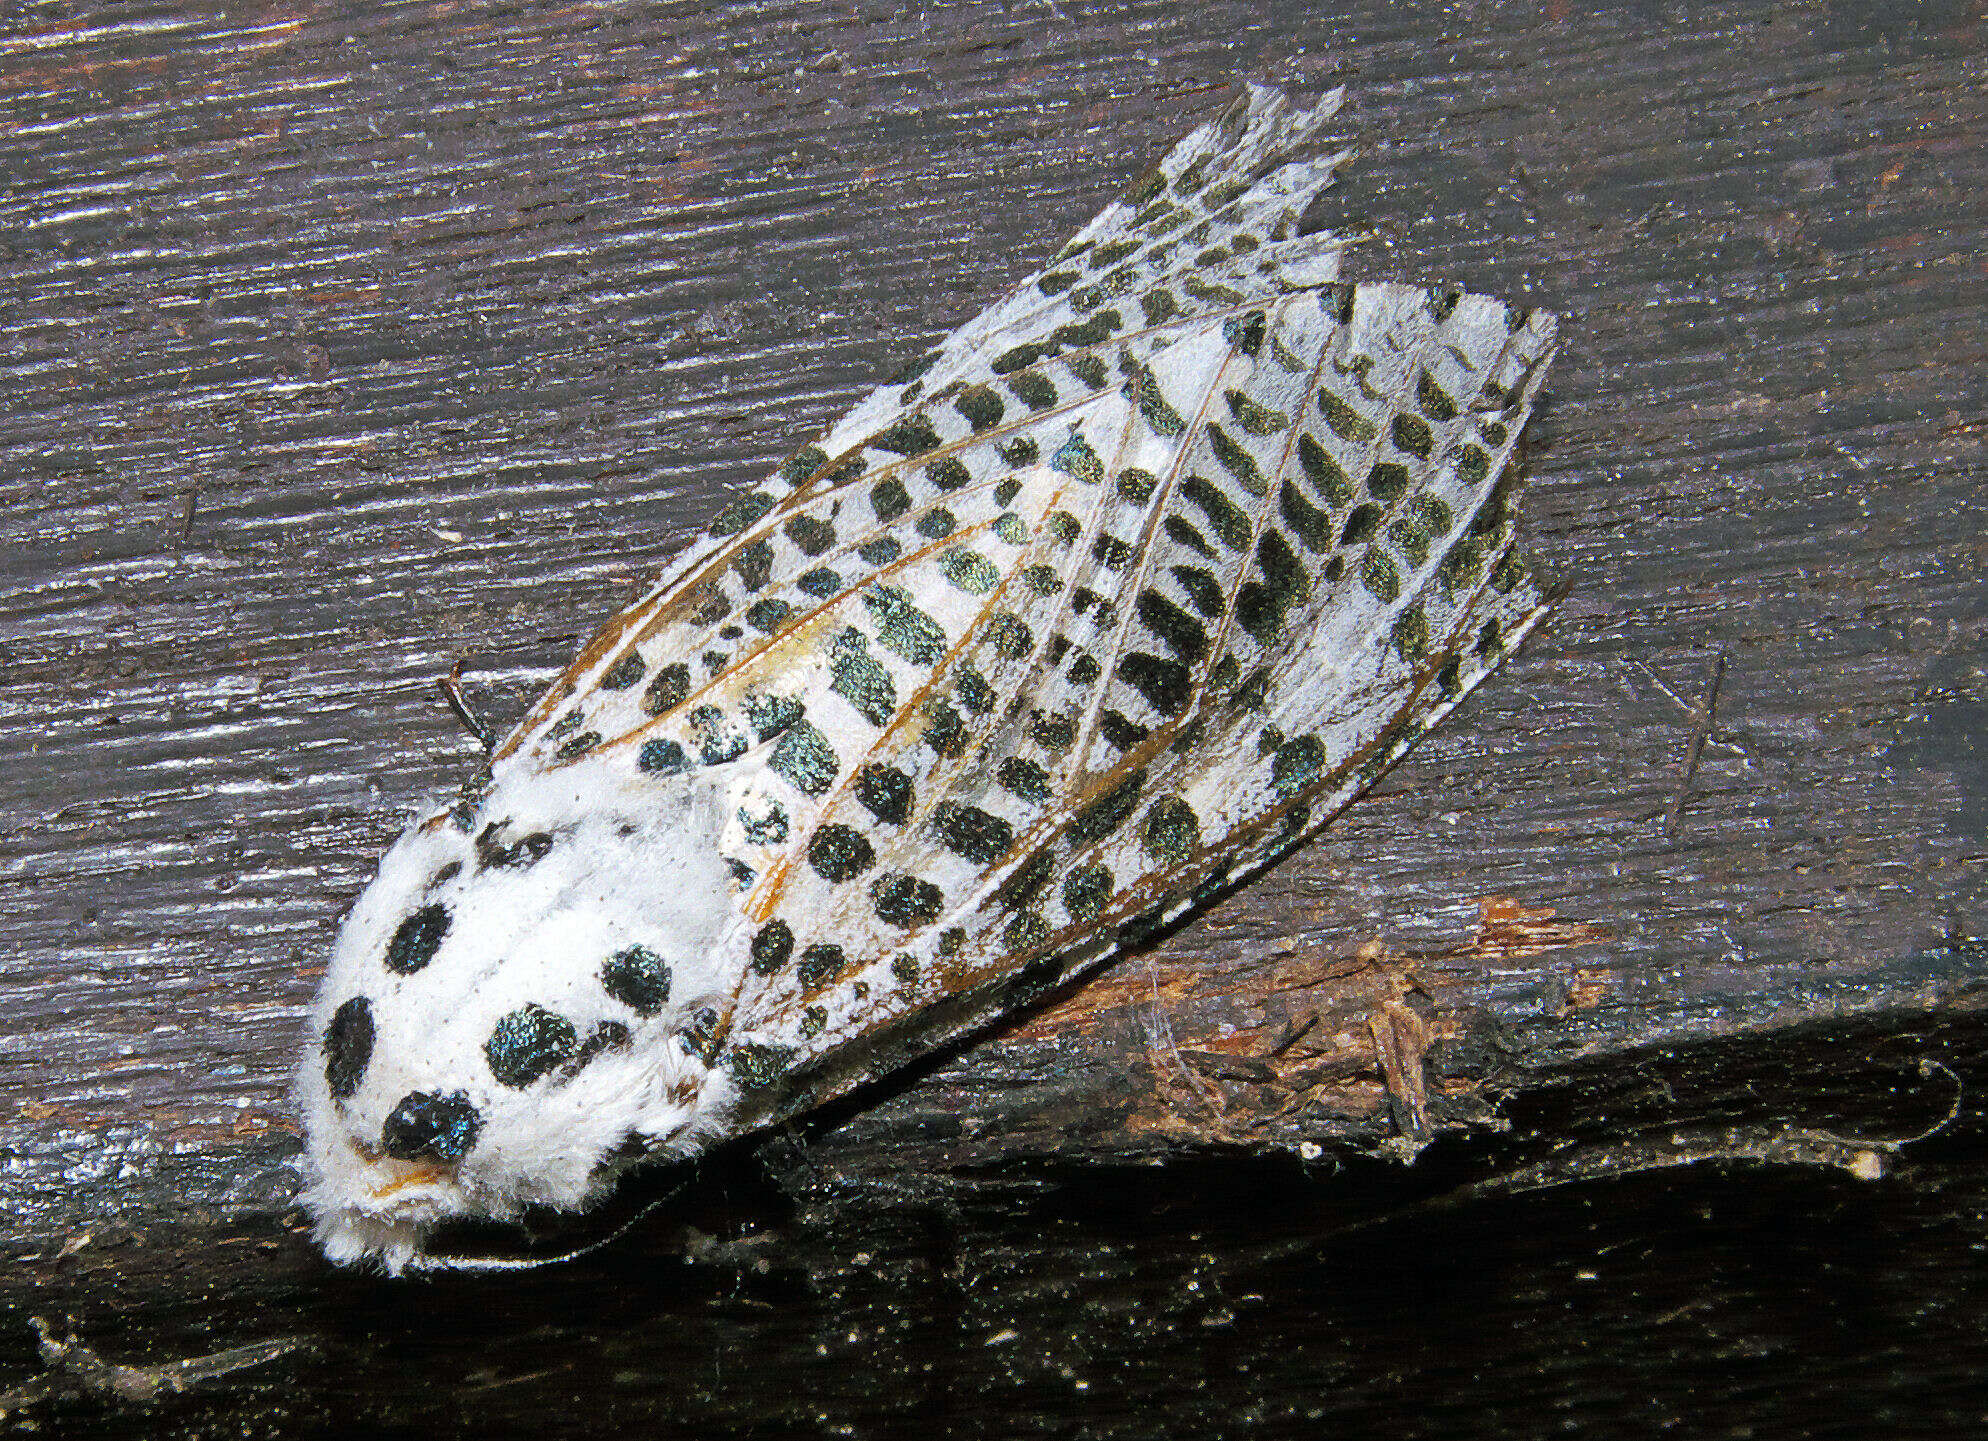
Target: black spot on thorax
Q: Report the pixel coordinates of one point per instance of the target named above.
(348, 1047)
(638, 978)
(426, 1125)
(416, 939)
(493, 851)
(527, 1043)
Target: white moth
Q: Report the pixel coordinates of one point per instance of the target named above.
(1134, 581)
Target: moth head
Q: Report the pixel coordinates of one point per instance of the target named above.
(512, 1013)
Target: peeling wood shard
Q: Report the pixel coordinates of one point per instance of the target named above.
(76, 1369)
(1506, 930)
(1311, 1038)
(1401, 1040)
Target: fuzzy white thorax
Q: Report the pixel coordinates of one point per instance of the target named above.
(619, 871)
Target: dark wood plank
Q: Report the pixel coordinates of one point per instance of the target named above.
(343, 346)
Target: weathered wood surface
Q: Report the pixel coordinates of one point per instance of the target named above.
(339, 346)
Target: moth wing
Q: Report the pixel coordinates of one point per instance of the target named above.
(1098, 609)
(1211, 225)
(1281, 553)
(1214, 222)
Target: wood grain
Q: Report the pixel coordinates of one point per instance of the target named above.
(342, 344)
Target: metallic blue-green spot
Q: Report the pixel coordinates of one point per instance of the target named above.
(881, 551)
(885, 792)
(840, 853)
(755, 565)
(1380, 576)
(624, 672)
(821, 583)
(889, 499)
(756, 1064)
(1086, 891)
(972, 833)
(638, 978)
(1033, 389)
(1171, 832)
(948, 474)
(766, 615)
(912, 435)
(741, 513)
(860, 678)
(662, 758)
(902, 627)
(1411, 434)
(1326, 475)
(1346, 422)
(416, 939)
(805, 758)
(1228, 521)
(819, 965)
(1019, 452)
(1297, 764)
(528, 1043)
(772, 947)
(1023, 777)
(906, 901)
(972, 689)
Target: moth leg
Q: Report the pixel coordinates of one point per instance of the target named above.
(450, 686)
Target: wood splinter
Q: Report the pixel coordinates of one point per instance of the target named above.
(77, 1369)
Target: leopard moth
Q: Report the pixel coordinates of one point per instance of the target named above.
(1127, 586)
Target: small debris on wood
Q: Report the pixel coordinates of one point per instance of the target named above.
(78, 1370)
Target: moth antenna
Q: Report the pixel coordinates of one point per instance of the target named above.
(433, 1265)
